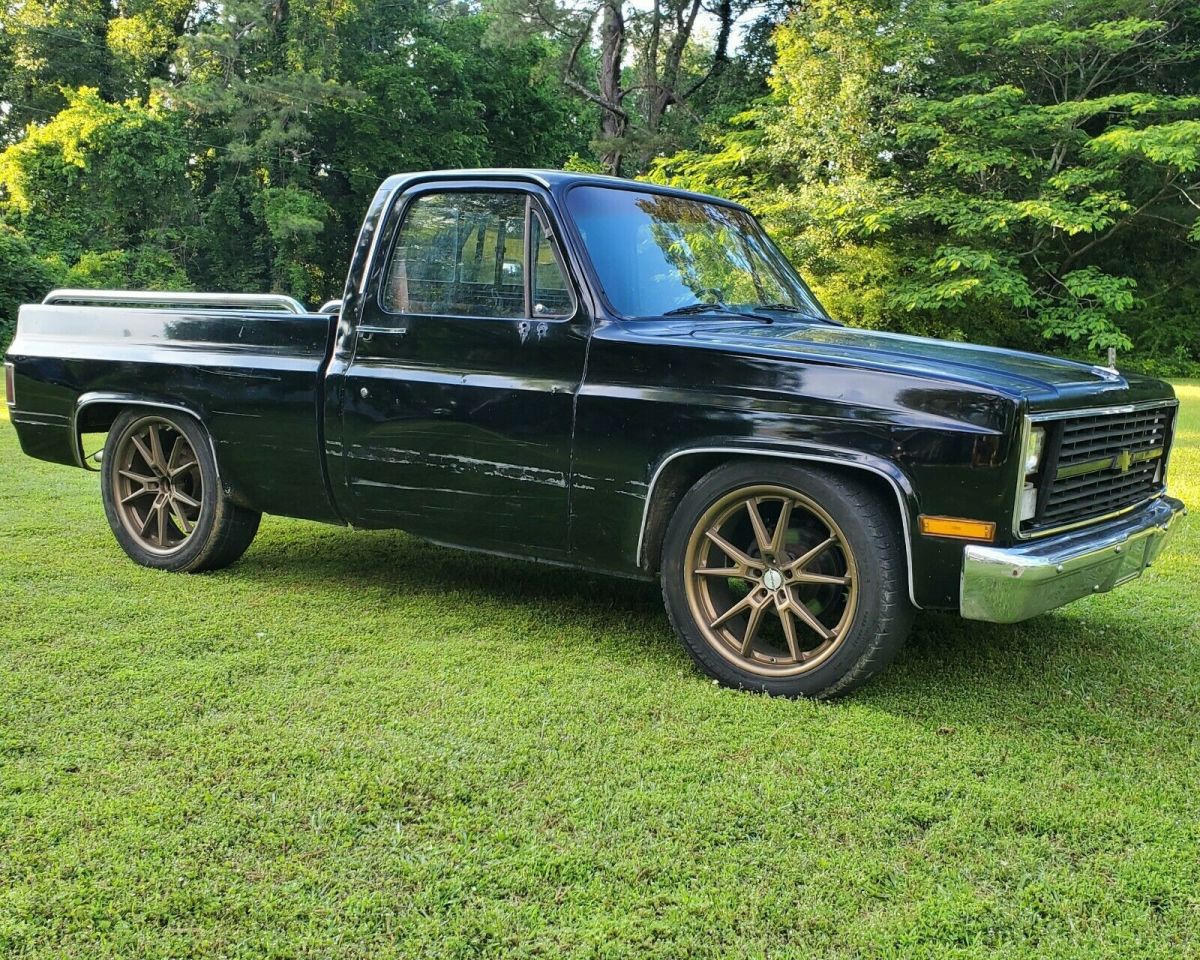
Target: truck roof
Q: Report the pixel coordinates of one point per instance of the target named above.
(553, 180)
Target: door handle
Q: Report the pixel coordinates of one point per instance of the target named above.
(364, 393)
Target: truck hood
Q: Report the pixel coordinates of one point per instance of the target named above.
(1042, 381)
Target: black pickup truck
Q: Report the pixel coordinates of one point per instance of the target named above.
(618, 377)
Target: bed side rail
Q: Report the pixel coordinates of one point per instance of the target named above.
(157, 298)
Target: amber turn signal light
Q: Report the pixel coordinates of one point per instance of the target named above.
(958, 528)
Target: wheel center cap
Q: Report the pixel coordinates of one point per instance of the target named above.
(772, 579)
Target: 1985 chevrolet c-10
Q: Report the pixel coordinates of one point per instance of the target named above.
(623, 378)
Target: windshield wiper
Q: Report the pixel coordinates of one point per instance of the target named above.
(698, 308)
(788, 308)
(694, 308)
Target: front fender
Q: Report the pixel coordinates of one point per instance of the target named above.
(907, 505)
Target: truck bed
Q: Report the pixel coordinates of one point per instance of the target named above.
(250, 368)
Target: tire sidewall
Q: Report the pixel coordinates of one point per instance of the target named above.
(191, 553)
(844, 502)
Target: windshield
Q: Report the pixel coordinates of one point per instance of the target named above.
(655, 254)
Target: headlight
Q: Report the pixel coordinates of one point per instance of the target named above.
(1034, 447)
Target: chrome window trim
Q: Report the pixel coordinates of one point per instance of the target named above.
(785, 454)
(1053, 415)
(535, 206)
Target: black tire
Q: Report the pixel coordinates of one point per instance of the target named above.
(215, 535)
(867, 556)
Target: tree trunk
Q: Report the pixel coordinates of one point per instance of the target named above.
(613, 122)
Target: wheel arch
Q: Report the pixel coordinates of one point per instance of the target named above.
(97, 412)
(678, 471)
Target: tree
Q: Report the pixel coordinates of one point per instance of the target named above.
(633, 100)
(117, 47)
(235, 145)
(1048, 141)
(23, 278)
(308, 108)
(101, 177)
(979, 168)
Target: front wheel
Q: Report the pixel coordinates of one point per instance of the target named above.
(786, 580)
(163, 498)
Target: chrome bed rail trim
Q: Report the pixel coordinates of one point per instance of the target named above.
(168, 298)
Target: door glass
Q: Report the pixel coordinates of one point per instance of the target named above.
(460, 254)
(551, 298)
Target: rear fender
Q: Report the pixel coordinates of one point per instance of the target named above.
(97, 412)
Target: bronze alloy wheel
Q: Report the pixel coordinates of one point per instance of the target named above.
(159, 486)
(771, 581)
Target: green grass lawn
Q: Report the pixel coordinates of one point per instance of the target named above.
(358, 745)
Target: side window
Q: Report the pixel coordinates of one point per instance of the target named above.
(548, 283)
(460, 254)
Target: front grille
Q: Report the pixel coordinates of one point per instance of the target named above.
(1100, 464)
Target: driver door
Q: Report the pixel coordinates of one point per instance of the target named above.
(459, 396)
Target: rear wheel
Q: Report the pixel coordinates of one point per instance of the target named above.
(163, 498)
(786, 580)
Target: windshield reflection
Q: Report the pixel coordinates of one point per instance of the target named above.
(656, 254)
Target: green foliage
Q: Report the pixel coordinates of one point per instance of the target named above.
(101, 191)
(738, 168)
(294, 219)
(146, 267)
(24, 278)
(1085, 309)
(981, 169)
(582, 164)
(235, 146)
(99, 175)
(45, 47)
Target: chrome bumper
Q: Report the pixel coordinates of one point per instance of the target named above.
(1007, 584)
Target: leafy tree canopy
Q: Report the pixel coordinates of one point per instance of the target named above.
(992, 169)
(234, 146)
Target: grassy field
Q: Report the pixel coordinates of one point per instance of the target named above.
(358, 745)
